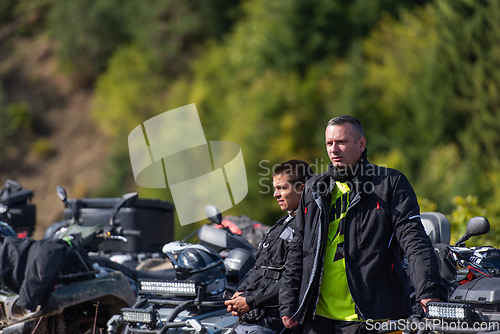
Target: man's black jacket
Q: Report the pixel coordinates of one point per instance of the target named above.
(261, 285)
(382, 223)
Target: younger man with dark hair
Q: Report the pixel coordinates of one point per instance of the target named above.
(256, 301)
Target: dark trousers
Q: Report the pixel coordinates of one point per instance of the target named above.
(265, 325)
(272, 323)
(322, 325)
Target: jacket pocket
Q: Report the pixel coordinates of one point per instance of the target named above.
(401, 293)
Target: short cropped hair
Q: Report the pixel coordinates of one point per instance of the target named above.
(342, 119)
(298, 171)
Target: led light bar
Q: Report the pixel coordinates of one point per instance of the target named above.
(178, 288)
(449, 311)
(137, 315)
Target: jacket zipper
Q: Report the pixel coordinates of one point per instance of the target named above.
(355, 201)
(316, 256)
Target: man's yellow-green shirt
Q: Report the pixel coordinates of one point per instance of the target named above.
(335, 301)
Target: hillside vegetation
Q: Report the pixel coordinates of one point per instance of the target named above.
(422, 76)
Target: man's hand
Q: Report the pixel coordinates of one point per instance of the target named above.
(423, 302)
(237, 305)
(289, 322)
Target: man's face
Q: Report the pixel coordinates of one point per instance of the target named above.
(287, 194)
(343, 146)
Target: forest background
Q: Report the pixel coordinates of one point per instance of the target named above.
(422, 76)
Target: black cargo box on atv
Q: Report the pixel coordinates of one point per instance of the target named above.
(483, 293)
(23, 213)
(148, 224)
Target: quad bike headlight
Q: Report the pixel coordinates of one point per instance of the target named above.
(143, 316)
(449, 311)
(178, 288)
(181, 288)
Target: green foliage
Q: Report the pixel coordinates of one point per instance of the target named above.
(88, 33)
(125, 96)
(395, 159)
(174, 30)
(469, 51)
(293, 34)
(270, 86)
(426, 85)
(128, 93)
(269, 127)
(268, 75)
(16, 128)
(398, 94)
(30, 7)
(17, 119)
(426, 205)
(160, 37)
(42, 148)
(23, 17)
(465, 209)
(7, 10)
(118, 169)
(473, 53)
(444, 173)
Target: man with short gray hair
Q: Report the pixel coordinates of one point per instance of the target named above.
(354, 224)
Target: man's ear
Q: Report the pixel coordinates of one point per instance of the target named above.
(301, 187)
(362, 144)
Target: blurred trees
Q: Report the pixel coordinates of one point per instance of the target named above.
(16, 128)
(422, 79)
(429, 88)
(422, 76)
(269, 86)
(88, 33)
(447, 112)
(171, 31)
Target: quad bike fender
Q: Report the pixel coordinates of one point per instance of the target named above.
(114, 284)
(111, 291)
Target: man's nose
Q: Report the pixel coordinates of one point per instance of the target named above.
(335, 148)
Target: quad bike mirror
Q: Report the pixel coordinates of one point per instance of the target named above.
(12, 186)
(213, 214)
(127, 201)
(476, 226)
(61, 192)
